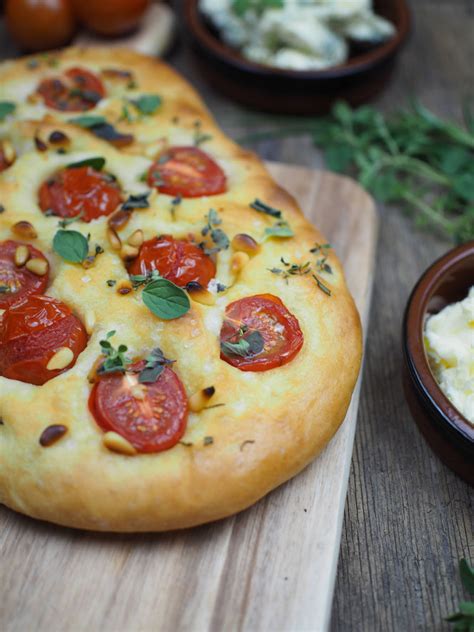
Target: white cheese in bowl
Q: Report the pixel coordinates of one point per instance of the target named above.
(449, 342)
(296, 34)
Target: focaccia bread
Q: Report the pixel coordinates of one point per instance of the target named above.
(243, 342)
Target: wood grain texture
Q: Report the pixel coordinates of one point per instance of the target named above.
(270, 567)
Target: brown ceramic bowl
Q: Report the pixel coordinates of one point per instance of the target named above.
(359, 80)
(448, 433)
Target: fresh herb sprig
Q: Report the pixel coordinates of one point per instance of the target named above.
(217, 235)
(154, 367)
(246, 345)
(6, 108)
(410, 158)
(239, 7)
(464, 619)
(199, 137)
(116, 360)
(295, 269)
(162, 297)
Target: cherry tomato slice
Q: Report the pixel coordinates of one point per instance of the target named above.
(266, 314)
(154, 422)
(188, 172)
(31, 332)
(71, 192)
(77, 90)
(177, 260)
(16, 282)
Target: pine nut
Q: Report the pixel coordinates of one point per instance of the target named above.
(200, 399)
(61, 359)
(51, 434)
(22, 254)
(89, 321)
(239, 261)
(136, 238)
(119, 220)
(201, 295)
(124, 287)
(37, 266)
(25, 230)
(116, 443)
(8, 151)
(114, 239)
(127, 252)
(245, 243)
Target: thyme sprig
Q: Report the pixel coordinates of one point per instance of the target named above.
(217, 235)
(411, 158)
(116, 360)
(464, 619)
(296, 269)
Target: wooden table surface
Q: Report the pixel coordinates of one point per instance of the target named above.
(408, 519)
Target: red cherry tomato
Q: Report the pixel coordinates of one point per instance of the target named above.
(80, 190)
(188, 172)
(266, 314)
(154, 422)
(110, 17)
(16, 282)
(177, 260)
(77, 90)
(40, 24)
(31, 331)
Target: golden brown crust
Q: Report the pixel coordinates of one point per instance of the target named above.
(273, 423)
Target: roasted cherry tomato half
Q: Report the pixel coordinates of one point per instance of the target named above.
(188, 172)
(153, 421)
(16, 281)
(110, 17)
(40, 24)
(77, 90)
(279, 331)
(177, 260)
(31, 332)
(80, 191)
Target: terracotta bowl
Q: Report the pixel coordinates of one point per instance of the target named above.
(448, 433)
(359, 80)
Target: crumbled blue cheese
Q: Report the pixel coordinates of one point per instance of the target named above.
(300, 35)
(449, 342)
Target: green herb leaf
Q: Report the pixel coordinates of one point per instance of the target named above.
(199, 136)
(115, 359)
(88, 121)
(218, 236)
(147, 103)
(280, 229)
(467, 575)
(63, 223)
(71, 245)
(96, 163)
(6, 108)
(165, 299)
(155, 364)
(261, 207)
(411, 157)
(247, 346)
(136, 201)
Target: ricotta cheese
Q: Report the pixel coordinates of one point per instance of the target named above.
(299, 35)
(449, 342)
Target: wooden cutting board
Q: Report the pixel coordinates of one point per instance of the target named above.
(269, 568)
